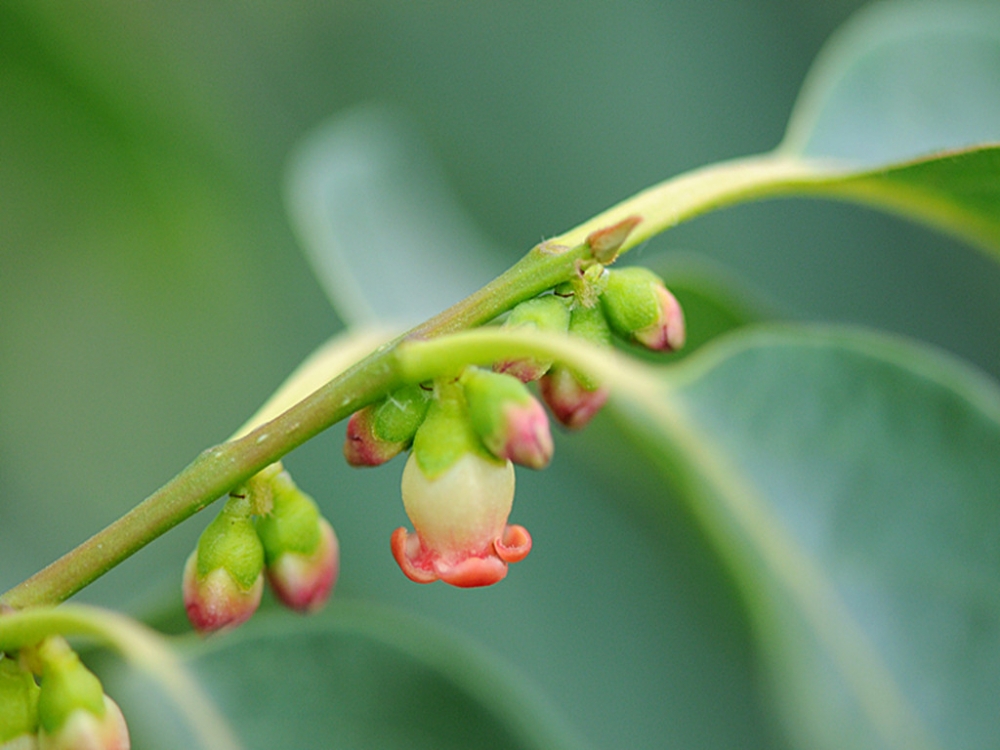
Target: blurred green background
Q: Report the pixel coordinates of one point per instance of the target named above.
(152, 293)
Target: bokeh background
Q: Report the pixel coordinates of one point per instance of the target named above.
(152, 293)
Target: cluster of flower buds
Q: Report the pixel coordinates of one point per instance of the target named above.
(66, 710)
(268, 529)
(466, 432)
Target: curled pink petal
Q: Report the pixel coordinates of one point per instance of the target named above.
(514, 545)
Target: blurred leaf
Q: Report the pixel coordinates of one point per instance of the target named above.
(383, 234)
(851, 483)
(356, 676)
(900, 80)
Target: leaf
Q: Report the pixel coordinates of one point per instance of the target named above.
(851, 482)
(901, 80)
(359, 675)
(384, 236)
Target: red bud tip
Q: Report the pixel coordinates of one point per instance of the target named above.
(302, 582)
(668, 333)
(570, 402)
(361, 446)
(217, 601)
(529, 440)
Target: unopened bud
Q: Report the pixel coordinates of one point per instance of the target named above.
(641, 308)
(508, 419)
(381, 431)
(223, 577)
(301, 550)
(548, 313)
(18, 706)
(458, 498)
(572, 403)
(73, 711)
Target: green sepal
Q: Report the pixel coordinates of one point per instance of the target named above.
(447, 433)
(231, 542)
(67, 686)
(399, 416)
(547, 313)
(486, 394)
(630, 300)
(293, 523)
(18, 701)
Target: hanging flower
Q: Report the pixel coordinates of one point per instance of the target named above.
(458, 497)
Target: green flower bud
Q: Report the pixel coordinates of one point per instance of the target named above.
(640, 307)
(73, 711)
(381, 431)
(547, 313)
(223, 579)
(508, 419)
(300, 548)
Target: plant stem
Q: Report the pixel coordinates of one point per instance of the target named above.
(219, 469)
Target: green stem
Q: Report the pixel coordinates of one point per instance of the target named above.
(219, 469)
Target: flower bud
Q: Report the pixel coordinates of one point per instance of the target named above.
(571, 402)
(508, 419)
(548, 313)
(381, 431)
(458, 498)
(301, 551)
(573, 398)
(73, 711)
(18, 707)
(223, 577)
(641, 308)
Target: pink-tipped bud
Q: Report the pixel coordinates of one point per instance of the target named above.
(639, 307)
(300, 548)
(571, 403)
(547, 313)
(83, 730)
(216, 600)
(668, 333)
(73, 711)
(362, 447)
(304, 582)
(224, 576)
(380, 431)
(508, 419)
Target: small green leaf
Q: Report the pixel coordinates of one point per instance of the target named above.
(383, 233)
(901, 80)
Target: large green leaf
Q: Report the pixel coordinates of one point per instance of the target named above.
(902, 79)
(852, 483)
(356, 676)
